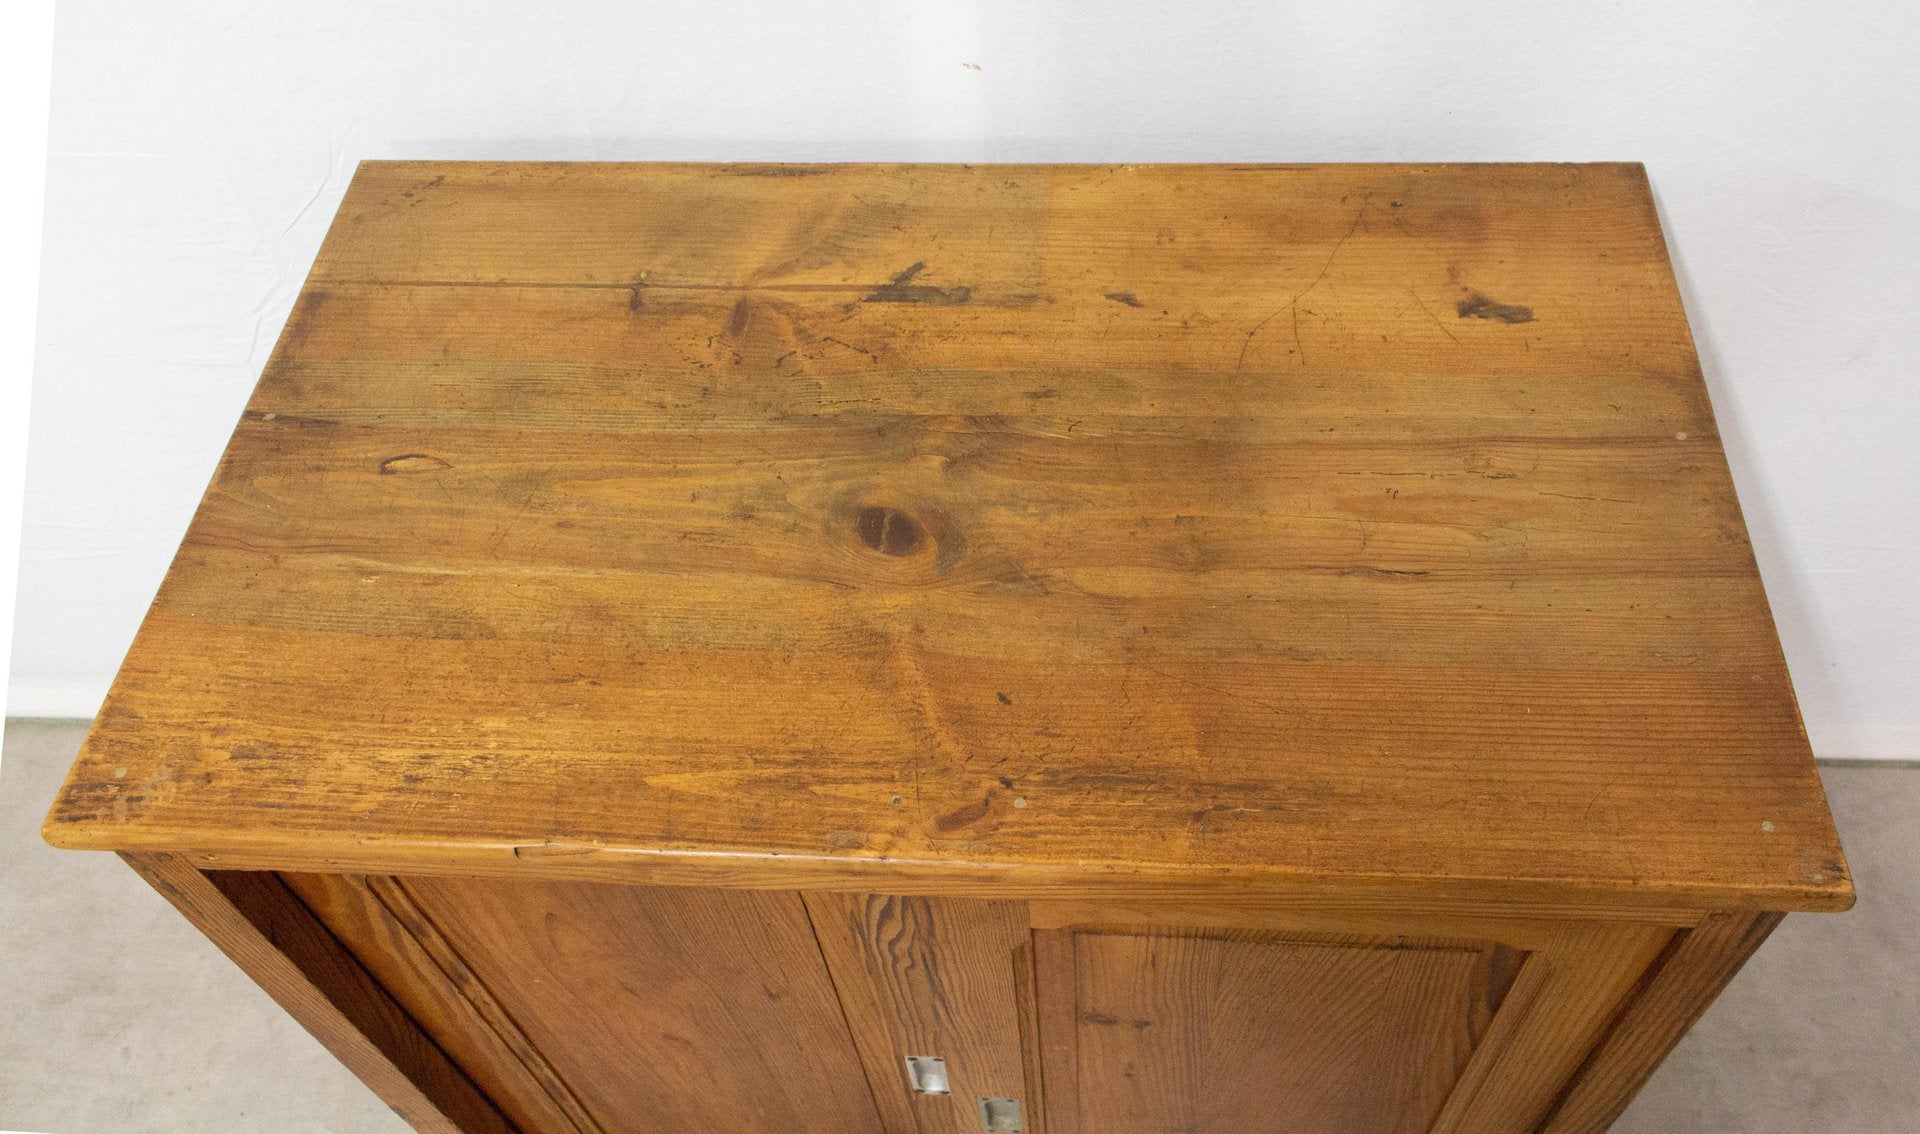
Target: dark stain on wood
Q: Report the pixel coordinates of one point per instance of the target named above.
(300, 320)
(1125, 297)
(777, 170)
(965, 814)
(901, 289)
(1477, 306)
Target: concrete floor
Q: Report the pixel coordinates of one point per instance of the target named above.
(119, 1018)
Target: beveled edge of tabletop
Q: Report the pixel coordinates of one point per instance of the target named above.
(1601, 899)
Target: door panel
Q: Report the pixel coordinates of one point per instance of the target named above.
(939, 977)
(586, 1008)
(660, 1009)
(1243, 1033)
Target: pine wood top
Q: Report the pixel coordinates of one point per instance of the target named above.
(979, 528)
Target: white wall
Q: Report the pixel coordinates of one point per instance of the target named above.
(26, 58)
(198, 149)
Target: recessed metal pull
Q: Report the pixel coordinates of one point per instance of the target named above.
(927, 1075)
(999, 1116)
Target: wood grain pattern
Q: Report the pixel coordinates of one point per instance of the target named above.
(1238, 524)
(1232, 524)
(930, 976)
(1057, 998)
(378, 921)
(664, 1010)
(1236, 1033)
(1522, 998)
(1675, 994)
(258, 923)
(1026, 988)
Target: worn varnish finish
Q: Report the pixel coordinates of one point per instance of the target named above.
(994, 572)
(1297, 566)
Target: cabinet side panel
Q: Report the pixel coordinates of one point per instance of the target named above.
(262, 927)
(1584, 977)
(1678, 991)
(374, 918)
(663, 1010)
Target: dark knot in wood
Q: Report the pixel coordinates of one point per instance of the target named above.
(889, 530)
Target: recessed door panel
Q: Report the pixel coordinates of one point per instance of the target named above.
(1239, 1033)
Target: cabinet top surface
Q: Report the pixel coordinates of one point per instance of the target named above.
(1210, 524)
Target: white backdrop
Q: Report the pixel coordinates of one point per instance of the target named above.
(198, 149)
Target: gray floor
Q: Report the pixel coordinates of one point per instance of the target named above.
(118, 1018)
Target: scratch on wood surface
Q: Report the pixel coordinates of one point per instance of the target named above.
(1436, 319)
(1293, 304)
(871, 357)
(552, 849)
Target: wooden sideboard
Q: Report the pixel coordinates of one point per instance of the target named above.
(939, 649)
